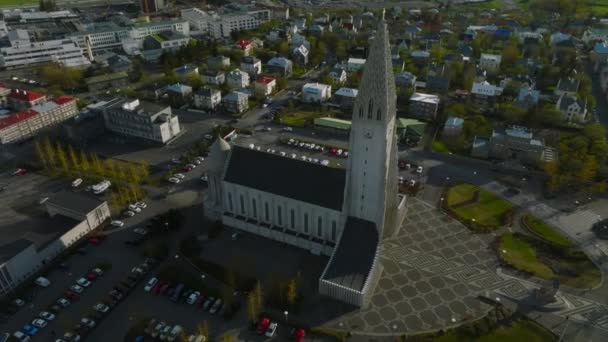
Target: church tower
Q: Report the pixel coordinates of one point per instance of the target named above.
(371, 191)
(214, 200)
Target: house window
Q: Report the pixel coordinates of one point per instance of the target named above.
(254, 208)
(230, 201)
(266, 211)
(242, 205)
(293, 219)
(279, 215)
(333, 230)
(320, 227)
(306, 223)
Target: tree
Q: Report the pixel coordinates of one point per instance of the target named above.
(41, 156)
(85, 166)
(253, 308)
(203, 329)
(510, 54)
(97, 165)
(292, 292)
(49, 150)
(76, 165)
(110, 168)
(283, 48)
(228, 337)
(62, 157)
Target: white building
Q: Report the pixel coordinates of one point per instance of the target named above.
(251, 65)
(97, 37)
(72, 216)
(237, 79)
(207, 98)
(572, 108)
(22, 52)
(489, 62)
(141, 31)
(221, 25)
(316, 92)
(339, 212)
(142, 120)
(355, 64)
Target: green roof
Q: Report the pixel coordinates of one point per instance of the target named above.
(411, 125)
(333, 123)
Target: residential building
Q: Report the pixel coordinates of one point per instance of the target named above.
(143, 30)
(452, 128)
(594, 34)
(355, 64)
(186, 73)
(19, 99)
(528, 98)
(236, 102)
(220, 26)
(237, 79)
(345, 97)
(24, 53)
(438, 78)
(218, 62)
(119, 63)
(179, 94)
(251, 65)
(280, 65)
(152, 6)
(337, 75)
(420, 57)
(264, 85)
(572, 108)
(245, 46)
(316, 92)
(313, 212)
(410, 130)
(115, 80)
(207, 98)
(405, 79)
(215, 77)
(297, 40)
(333, 125)
(141, 120)
(28, 121)
(485, 94)
(490, 62)
(153, 91)
(70, 216)
(567, 86)
(155, 43)
(97, 37)
(516, 143)
(300, 54)
(424, 105)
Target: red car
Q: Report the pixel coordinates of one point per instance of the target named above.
(92, 276)
(72, 296)
(200, 301)
(19, 172)
(298, 335)
(263, 325)
(187, 169)
(156, 288)
(163, 289)
(94, 241)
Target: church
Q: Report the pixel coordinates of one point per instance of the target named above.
(341, 213)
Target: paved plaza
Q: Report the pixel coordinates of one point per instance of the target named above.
(434, 271)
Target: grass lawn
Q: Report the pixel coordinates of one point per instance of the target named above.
(300, 118)
(522, 255)
(439, 146)
(546, 231)
(489, 209)
(491, 4)
(16, 2)
(522, 330)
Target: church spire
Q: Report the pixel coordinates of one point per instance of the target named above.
(377, 97)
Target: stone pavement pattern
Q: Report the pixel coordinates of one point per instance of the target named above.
(434, 269)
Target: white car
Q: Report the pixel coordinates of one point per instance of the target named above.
(204, 178)
(150, 284)
(287, 129)
(179, 175)
(272, 328)
(140, 231)
(100, 307)
(20, 336)
(133, 206)
(117, 223)
(196, 162)
(88, 322)
(129, 213)
(77, 288)
(76, 182)
(141, 205)
(193, 297)
(83, 282)
(46, 316)
(63, 302)
(173, 180)
(176, 161)
(42, 282)
(97, 271)
(419, 170)
(192, 166)
(412, 182)
(40, 323)
(208, 136)
(136, 210)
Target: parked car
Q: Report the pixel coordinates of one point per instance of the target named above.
(63, 302)
(117, 223)
(88, 322)
(141, 205)
(263, 324)
(272, 328)
(100, 307)
(419, 170)
(39, 323)
(76, 288)
(92, 276)
(76, 182)
(129, 213)
(20, 336)
(193, 297)
(175, 333)
(297, 335)
(18, 302)
(216, 306)
(42, 282)
(72, 296)
(208, 303)
(83, 282)
(97, 271)
(158, 328)
(31, 330)
(173, 180)
(46, 316)
(165, 332)
(150, 284)
(177, 292)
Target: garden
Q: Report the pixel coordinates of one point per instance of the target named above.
(480, 210)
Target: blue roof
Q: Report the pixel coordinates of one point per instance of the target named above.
(502, 33)
(185, 69)
(601, 48)
(454, 121)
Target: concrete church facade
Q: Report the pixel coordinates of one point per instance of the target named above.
(341, 213)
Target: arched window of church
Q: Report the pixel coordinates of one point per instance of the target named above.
(306, 223)
(293, 219)
(379, 115)
(370, 109)
(361, 112)
(230, 201)
(254, 208)
(242, 205)
(320, 227)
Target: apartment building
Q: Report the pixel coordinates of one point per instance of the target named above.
(142, 120)
(424, 105)
(221, 25)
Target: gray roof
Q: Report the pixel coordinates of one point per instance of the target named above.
(280, 61)
(287, 177)
(83, 203)
(567, 101)
(568, 84)
(207, 92)
(9, 250)
(525, 93)
(354, 257)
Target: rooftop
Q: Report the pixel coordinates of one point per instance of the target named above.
(265, 80)
(333, 123)
(25, 95)
(80, 202)
(427, 98)
(15, 118)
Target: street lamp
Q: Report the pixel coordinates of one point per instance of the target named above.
(286, 313)
(453, 320)
(176, 256)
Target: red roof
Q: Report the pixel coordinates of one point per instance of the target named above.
(25, 95)
(63, 100)
(16, 118)
(264, 79)
(243, 43)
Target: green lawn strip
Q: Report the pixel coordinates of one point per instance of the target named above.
(521, 255)
(439, 146)
(488, 210)
(299, 118)
(522, 330)
(546, 231)
(16, 2)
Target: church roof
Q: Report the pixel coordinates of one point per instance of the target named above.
(354, 257)
(292, 178)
